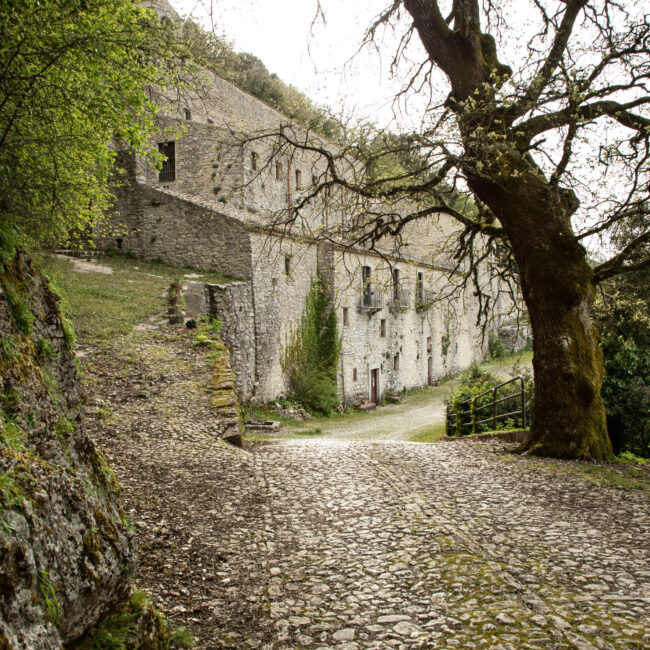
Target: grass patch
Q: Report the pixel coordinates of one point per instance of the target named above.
(103, 306)
(428, 434)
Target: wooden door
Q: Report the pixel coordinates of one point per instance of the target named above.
(430, 367)
(373, 385)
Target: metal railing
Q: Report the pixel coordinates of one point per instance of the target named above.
(399, 301)
(371, 302)
(472, 410)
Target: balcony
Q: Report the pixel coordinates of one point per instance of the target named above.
(399, 302)
(370, 302)
(424, 299)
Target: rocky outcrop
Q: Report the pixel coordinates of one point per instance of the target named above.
(65, 551)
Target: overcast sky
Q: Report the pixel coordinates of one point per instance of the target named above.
(313, 59)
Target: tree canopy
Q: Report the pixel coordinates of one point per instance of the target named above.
(73, 79)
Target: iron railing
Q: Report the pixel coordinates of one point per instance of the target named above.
(371, 301)
(456, 427)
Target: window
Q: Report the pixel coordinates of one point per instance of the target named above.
(278, 171)
(396, 362)
(354, 374)
(254, 161)
(314, 179)
(287, 266)
(298, 179)
(168, 171)
(346, 316)
(188, 114)
(429, 345)
(366, 287)
(419, 288)
(382, 327)
(396, 287)
(417, 349)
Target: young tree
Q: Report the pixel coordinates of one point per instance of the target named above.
(73, 77)
(554, 151)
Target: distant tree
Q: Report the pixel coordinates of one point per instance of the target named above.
(572, 118)
(73, 75)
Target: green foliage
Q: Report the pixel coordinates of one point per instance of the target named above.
(181, 637)
(496, 348)
(622, 313)
(64, 428)
(44, 349)
(20, 312)
(48, 594)
(8, 349)
(474, 381)
(208, 335)
(74, 76)
(310, 356)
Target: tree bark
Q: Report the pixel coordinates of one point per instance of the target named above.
(569, 417)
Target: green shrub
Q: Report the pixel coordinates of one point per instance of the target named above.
(463, 414)
(626, 394)
(44, 349)
(496, 348)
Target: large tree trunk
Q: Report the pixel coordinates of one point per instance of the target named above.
(568, 416)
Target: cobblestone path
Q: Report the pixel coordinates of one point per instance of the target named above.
(325, 543)
(379, 545)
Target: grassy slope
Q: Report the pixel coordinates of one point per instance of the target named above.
(103, 306)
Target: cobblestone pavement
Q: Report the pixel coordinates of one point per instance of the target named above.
(326, 543)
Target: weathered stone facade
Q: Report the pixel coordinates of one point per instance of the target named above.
(213, 209)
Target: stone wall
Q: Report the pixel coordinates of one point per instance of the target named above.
(65, 553)
(155, 225)
(278, 301)
(232, 304)
(408, 345)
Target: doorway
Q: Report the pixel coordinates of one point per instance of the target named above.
(430, 371)
(374, 377)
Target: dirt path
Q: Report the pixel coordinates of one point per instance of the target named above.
(420, 413)
(349, 544)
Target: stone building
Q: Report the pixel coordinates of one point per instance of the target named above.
(211, 206)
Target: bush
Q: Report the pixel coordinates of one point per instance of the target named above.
(626, 393)
(463, 414)
(496, 348)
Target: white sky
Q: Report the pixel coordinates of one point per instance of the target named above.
(313, 60)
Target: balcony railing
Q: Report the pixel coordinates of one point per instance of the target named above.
(398, 302)
(371, 302)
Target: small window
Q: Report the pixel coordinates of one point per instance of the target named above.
(429, 345)
(366, 286)
(168, 170)
(419, 288)
(417, 349)
(188, 114)
(298, 179)
(354, 374)
(287, 266)
(382, 327)
(254, 161)
(346, 316)
(278, 171)
(396, 362)
(396, 287)
(314, 179)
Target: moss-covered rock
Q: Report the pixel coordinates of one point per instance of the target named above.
(65, 556)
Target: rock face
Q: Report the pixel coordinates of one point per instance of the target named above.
(65, 552)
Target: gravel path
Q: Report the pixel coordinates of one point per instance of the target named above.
(345, 544)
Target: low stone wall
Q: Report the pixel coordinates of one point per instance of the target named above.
(232, 304)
